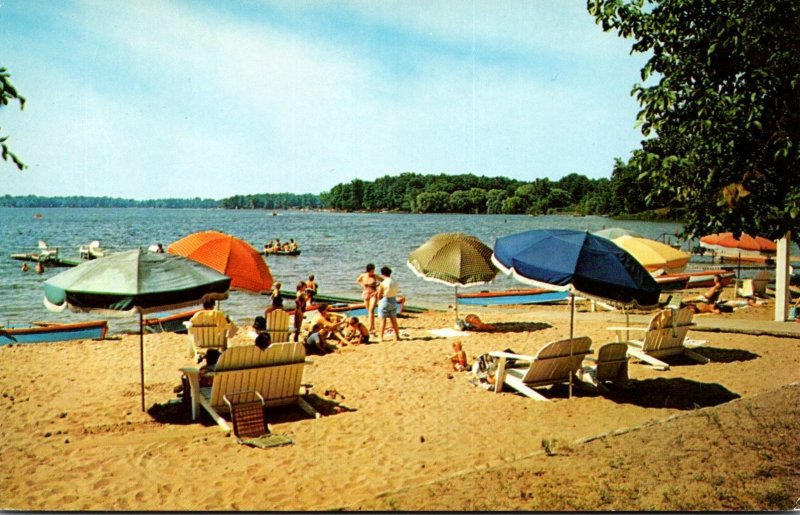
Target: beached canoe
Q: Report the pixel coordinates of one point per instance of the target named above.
(517, 296)
(354, 309)
(40, 332)
(288, 296)
(672, 282)
(168, 323)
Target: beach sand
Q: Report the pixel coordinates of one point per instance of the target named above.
(410, 433)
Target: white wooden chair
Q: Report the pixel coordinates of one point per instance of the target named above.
(663, 337)
(610, 365)
(275, 373)
(278, 326)
(555, 363)
(207, 331)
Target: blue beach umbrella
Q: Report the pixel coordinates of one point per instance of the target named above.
(135, 282)
(578, 262)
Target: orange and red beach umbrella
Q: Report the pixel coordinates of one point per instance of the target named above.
(228, 255)
(744, 242)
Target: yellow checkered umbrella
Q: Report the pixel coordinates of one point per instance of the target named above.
(454, 259)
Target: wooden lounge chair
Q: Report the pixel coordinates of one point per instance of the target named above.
(663, 337)
(610, 365)
(206, 333)
(555, 363)
(275, 373)
(278, 326)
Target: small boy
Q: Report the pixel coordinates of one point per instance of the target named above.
(357, 332)
(459, 358)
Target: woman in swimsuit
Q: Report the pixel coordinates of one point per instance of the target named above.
(369, 282)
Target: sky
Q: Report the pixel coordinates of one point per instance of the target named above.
(164, 99)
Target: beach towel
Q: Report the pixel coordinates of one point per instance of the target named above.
(267, 440)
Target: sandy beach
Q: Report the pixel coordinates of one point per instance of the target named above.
(411, 434)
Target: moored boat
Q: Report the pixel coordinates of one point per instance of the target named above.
(515, 296)
(295, 252)
(168, 322)
(40, 332)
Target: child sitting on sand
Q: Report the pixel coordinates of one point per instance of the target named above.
(459, 358)
(356, 332)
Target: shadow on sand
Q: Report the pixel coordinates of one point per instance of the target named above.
(672, 393)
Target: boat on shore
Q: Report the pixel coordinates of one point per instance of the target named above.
(42, 332)
(514, 296)
(688, 280)
(333, 299)
(358, 309)
(168, 322)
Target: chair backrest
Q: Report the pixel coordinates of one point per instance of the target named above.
(612, 362)
(276, 373)
(556, 360)
(668, 329)
(206, 331)
(208, 337)
(278, 325)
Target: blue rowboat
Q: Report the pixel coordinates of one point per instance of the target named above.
(41, 332)
(537, 296)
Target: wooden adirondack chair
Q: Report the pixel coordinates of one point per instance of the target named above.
(664, 337)
(275, 373)
(555, 363)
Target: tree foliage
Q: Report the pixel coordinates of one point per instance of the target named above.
(8, 93)
(720, 107)
(271, 201)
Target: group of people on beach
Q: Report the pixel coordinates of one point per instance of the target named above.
(379, 294)
(276, 246)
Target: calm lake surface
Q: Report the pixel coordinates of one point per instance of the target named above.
(335, 247)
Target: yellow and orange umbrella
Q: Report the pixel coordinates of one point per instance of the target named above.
(228, 255)
(655, 256)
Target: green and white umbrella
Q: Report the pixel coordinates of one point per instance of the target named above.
(453, 259)
(135, 281)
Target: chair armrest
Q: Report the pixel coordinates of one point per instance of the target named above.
(190, 371)
(509, 355)
(187, 324)
(627, 328)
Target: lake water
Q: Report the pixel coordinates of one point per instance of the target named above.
(335, 247)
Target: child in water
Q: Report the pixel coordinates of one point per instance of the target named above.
(459, 358)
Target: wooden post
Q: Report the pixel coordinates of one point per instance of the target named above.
(141, 355)
(782, 278)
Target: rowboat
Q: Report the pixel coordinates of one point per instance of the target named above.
(671, 282)
(333, 299)
(295, 252)
(40, 332)
(354, 309)
(517, 296)
(168, 323)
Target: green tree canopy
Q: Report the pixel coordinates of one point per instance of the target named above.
(8, 93)
(720, 103)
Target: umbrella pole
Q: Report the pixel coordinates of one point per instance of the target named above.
(141, 355)
(456, 304)
(571, 326)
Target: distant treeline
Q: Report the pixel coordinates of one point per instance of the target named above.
(82, 201)
(574, 193)
(272, 201)
(624, 194)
